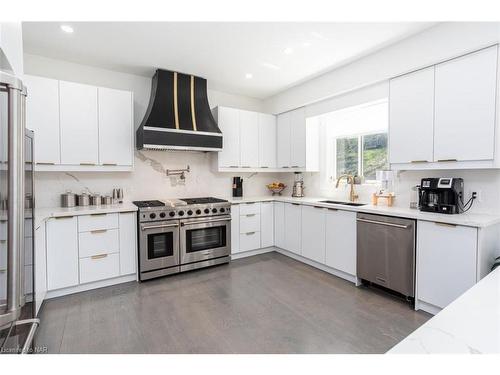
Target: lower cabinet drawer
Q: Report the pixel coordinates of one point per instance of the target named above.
(98, 242)
(249, 223)
(97, 222)
(99, 267)
(249, 241)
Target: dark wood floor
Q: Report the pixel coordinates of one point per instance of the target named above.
(263, 304)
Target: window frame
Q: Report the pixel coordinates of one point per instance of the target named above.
(360, 137)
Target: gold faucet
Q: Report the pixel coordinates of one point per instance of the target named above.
(350, 180)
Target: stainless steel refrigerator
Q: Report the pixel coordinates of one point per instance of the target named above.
(18, 322)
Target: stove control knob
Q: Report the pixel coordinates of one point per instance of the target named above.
(214, 210)
(222, 209)
(180, 213)
(190, 212)
(171, 214)
(162, 214)
(152, 215)
(206, 210)
(198, 212)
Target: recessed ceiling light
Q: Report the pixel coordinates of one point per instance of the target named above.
(288, 50)
(67, 29)
(249, 76)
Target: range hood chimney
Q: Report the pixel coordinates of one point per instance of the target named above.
(178, 116)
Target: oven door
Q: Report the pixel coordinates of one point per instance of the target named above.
(205, 238)
(159, 245)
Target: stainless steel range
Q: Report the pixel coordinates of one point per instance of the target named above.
(182, 234)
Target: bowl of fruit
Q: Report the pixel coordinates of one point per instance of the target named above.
(276, 187)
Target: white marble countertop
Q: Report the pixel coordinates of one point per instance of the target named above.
(470, 324)
(44, 213)
(466, 219)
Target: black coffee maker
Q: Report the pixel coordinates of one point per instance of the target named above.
(443, 195)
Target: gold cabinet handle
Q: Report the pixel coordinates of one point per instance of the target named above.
(100, 256)
(445, 160)
(98, 231)
(445, 224)
(87, 163)
(418, 161)
(110, 164)
(44, 163)
(63, 217)
(250, 215)
(249, 233)
(100, 214)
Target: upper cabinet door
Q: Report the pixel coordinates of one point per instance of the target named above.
(229, 123)
(115, 127)
(249, 139)
(267, 141)
(464, 122)
(298, 138)
(79, 124)
(42, 116)
(411, 117)
(283, 140)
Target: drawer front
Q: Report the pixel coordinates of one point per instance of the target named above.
(249, 241)
(97, 242)
(99, 268)
(250, 223)
(87, 223)
(249, 208)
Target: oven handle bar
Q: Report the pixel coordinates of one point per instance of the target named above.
(160, 226)
(205, 221)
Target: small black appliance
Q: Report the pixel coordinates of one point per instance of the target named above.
(237, 187)
(442, 195)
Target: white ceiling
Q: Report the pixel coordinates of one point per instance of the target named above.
(223, 53)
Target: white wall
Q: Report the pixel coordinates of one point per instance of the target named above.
(11, 47)
(148, 180)
(437, 43)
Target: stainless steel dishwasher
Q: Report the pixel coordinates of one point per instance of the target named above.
(386, 252)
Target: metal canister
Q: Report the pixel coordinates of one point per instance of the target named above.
(95, 200)
(83, 199)
(68, 199)
(107, 200)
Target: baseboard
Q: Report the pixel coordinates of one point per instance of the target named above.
(252, 253)
(312, 263)
(427, 307)
(90, 286)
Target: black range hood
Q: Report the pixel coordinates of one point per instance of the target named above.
(178, 116)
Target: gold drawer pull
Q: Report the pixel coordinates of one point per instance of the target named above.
(249, 233)
(418, 161)
(250, 215)
(87, 163)
(109, 164)
(98, 231)
(63, 217)
(44, 163)
(100, 256)
(101, 214)
(445, 224)
(3, 271)
(445, 160)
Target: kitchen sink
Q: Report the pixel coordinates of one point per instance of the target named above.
(344, 203)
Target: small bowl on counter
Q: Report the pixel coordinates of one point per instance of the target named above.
(276, 188)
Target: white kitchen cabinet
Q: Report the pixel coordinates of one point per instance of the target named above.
(40, 266)
(249, 139)
(411, 117)
(293, 227)
(313, 233)
(283, 140)
(128, 243)
(249, 223)
(279, 224)
(115, 127)
(99, 267)
(62, 252)
(465, 89)
(249, 241)
(266, 224)
(235, 228)
(267, 141)
(341, 240)
(446, 262)
(42, 116)
(228, 120)
(298, 138)
(79, 124)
